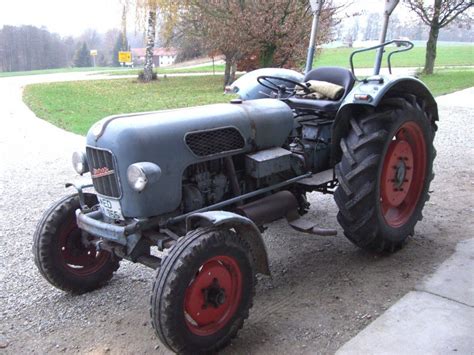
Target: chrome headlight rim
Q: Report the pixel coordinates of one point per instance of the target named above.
(136, 177)
(79, 162)
(140, 175)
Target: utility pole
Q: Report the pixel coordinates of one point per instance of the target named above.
(124, 28)
(316, 6)
(390, 5)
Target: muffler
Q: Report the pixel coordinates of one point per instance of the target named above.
(270, 208)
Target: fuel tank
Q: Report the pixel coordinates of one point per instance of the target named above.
(175, 139)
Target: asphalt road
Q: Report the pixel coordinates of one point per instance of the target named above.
(323, 290)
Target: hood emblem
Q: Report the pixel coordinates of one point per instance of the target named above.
(101, 172)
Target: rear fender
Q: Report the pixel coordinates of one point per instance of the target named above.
(376, 91)
(244, 227)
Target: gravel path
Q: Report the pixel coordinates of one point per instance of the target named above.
(323, 289)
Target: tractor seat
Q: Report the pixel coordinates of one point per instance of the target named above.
(335, 75)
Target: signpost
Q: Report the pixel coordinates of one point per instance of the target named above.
(125, 57)
(93, 54)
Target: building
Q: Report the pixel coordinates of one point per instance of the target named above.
(162, 57)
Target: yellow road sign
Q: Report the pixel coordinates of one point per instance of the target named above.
(93, 52)
(125, 57)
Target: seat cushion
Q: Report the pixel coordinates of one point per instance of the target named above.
(335, 75)
(312, 104)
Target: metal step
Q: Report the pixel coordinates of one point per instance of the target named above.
(319, 179)
(306, 226)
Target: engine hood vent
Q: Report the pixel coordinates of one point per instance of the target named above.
(215, 141)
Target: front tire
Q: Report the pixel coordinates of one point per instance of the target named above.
(384, 174)
(203, 291)
(62, 258)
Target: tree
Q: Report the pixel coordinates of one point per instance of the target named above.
(374, 24)
(150, 45)
(121, 44)
(436, 16)
(29, 48)
(147, 14)
(277, 32)
(83, 57)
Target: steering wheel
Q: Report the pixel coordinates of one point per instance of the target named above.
(269, 82)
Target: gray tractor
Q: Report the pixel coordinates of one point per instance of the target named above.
(188, 192)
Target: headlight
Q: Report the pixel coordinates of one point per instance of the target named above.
(79, 162)
(139, 175)
(97, 129)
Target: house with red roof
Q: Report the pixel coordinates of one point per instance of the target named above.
(162, 57)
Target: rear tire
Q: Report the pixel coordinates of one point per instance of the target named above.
(203, 291)
(60, 255)
(384, 174)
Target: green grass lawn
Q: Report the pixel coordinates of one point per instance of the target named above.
(446, 56)
(75, 106)
(339, 57)
(446, 81)
(203, 69)
(51, 71)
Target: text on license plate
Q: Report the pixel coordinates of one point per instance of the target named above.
(111, 208)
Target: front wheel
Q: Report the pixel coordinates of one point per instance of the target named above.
(60, 254)
(384, 174)
(203, 291)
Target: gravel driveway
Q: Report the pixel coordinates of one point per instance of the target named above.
(323, 289)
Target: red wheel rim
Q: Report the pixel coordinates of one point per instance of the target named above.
(213, 296)
(74, 256)
(403, 174)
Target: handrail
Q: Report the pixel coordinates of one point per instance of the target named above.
(409, 45)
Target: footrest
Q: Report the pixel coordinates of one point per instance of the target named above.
(319, 179)
(306, 226)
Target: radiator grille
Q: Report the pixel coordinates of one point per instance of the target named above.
(215, 141)
(101, 165)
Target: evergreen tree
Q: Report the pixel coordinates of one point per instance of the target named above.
(82, 57)
(120, 45)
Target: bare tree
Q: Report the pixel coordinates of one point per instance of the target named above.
(276, 32)
(438, 15)
(374, 24)
(29, 48)
(147, 12)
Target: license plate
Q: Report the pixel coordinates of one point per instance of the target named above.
(111, 208)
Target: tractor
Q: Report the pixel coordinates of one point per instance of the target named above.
(188, 192)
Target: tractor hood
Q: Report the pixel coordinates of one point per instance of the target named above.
(175, 139)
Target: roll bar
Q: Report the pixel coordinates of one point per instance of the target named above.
(401, 43)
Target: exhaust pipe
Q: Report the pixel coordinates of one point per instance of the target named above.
(270, 208)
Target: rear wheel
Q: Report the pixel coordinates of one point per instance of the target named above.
(60, 254)
(203, 291)
(384, 174)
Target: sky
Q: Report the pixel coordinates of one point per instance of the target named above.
(65, 17)
(73, 17)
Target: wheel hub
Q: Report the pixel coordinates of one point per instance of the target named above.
(212, 296)
(74, 255)
(399, 176)
(403, 174)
